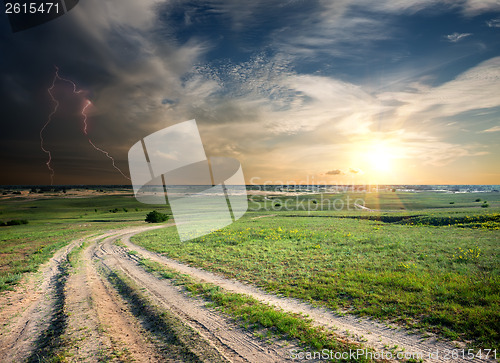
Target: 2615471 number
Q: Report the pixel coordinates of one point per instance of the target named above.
(31, 8)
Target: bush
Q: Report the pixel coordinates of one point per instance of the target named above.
(14, 222)
(485, 205)
(156, 217)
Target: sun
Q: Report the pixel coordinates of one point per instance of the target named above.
(380, 157)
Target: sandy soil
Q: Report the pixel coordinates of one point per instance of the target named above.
(82, 314)
(26, 312)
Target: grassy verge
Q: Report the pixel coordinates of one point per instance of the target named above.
(256, 315)
(444, 279)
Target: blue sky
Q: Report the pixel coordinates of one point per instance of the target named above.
(358, 91)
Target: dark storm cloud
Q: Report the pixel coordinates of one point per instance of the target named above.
(108, 49)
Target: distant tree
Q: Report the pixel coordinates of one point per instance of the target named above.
(478, 200)
(156, 217)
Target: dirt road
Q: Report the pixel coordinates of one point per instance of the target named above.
(93, 302)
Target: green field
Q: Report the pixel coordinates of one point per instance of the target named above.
(433, 266)
(55, 221)
(428, 260)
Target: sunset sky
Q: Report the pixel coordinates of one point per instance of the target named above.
(387, 91)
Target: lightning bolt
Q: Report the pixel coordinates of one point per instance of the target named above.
(49, 119)
(87, 104)
(50, 90)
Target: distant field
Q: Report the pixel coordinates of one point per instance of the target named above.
(54, 220)
(383, 201)
(434, 266)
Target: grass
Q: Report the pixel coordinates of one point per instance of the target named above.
(252, 313)
(436, 269)
(53, 223)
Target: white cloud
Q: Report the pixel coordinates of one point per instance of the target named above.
(475, 89)
(492, 129)
(475, 7)
(455, 37)
(327, 112)
(493, 23)
(258, 108)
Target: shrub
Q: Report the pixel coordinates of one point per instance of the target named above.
(452, 202)
(478, 199)
(485, 205)
(156, 217)
(14, 222)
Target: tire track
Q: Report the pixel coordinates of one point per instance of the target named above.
(235, 344)
(32, 317)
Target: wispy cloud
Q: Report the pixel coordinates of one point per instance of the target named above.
(355, 171)
(455, 37)
(475, 7)
(492, 129)
(335, 172)
(472, 90)
(493, 23)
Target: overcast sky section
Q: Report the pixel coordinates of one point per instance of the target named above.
(293, 90)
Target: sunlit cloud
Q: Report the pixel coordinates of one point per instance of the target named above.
(492, 129)
(472, 90)
(335, 172)
(355, 171)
